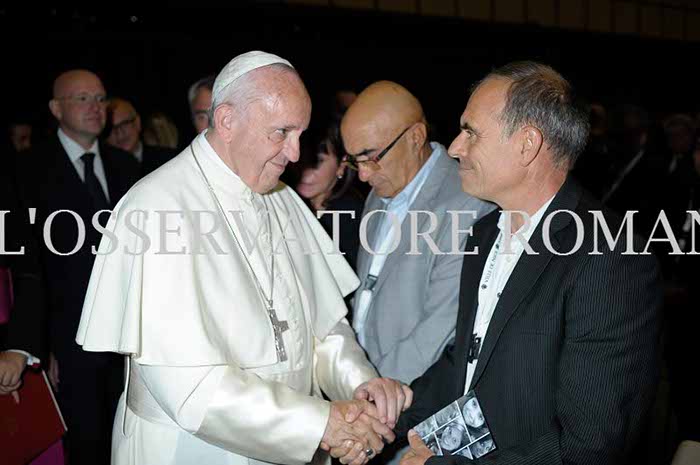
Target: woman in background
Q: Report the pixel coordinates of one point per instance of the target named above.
(326, 184)
(160, 130)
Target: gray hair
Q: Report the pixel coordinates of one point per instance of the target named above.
(541, 97)
(204, 83)
(243, 91)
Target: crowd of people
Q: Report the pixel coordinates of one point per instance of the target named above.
(564, 351)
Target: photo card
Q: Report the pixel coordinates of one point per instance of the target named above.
(458, 429)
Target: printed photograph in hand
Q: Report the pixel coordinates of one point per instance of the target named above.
(482, 447)
(459, 429)
(425, 428)
(432, 443)
(452, 437)
(447, 414)
(465, 453)
(474, 418)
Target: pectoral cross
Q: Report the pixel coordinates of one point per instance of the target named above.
(278, 327)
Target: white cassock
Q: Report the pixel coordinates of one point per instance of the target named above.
(205, 386)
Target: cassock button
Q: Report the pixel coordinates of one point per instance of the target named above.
(484, 286)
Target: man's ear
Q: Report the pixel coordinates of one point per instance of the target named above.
(224, 121)
(419, 133)
(138, 123)
(530, 140)
(55, 109)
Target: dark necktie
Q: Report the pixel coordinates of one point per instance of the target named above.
(94, 187)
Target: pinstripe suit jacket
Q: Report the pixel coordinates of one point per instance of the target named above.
(568, 367)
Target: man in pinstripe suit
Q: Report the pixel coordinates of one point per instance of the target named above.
(559, 344)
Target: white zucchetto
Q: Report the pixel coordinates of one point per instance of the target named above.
(241, 65)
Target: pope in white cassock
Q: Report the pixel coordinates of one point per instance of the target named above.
(228, 345)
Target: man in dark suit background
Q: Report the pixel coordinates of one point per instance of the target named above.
(73, 171)
(22, 335)
(561, 349)
(125, 134)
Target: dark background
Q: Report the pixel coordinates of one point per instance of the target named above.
(151, 56)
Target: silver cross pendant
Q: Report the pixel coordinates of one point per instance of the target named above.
(278, 327)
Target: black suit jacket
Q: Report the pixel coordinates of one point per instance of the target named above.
(568, 367)
(25, 330)
(48, 181)
(155, 157)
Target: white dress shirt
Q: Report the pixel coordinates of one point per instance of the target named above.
(75, 151)
(385, 239)
(499, 266)
(138, 153)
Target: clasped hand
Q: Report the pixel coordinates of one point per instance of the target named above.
(358, 429)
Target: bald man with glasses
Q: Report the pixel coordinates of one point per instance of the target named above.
(406, 307)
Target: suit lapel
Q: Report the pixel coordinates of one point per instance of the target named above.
(525, 275)
(65, 189)
(112, 176)
(485, 233)
(364, 257)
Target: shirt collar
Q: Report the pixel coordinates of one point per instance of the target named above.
(218, 172)
(75, 150)
(534, 220)
(138, 153)
(409, 193)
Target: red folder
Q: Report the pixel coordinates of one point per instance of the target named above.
(29, 428)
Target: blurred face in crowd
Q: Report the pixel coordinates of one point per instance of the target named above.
(318, 181)
(488, 162)
(126, 126)
(344, 98)
(599, 120)
(80, 106)
(263, 137)
(200, 109)
(21, 137)
(680, 138)
(386, 116)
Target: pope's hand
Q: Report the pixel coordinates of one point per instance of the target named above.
(353, 430)
(354, 452)
(419, 452)
(12, 365)
(389, 395)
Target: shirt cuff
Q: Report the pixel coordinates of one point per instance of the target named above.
(31, 360)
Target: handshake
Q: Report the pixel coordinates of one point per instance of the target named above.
(357, 429)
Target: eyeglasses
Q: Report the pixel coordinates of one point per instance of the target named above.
(200, 114)
(85, 99)
(354, 162)
(122, 125)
